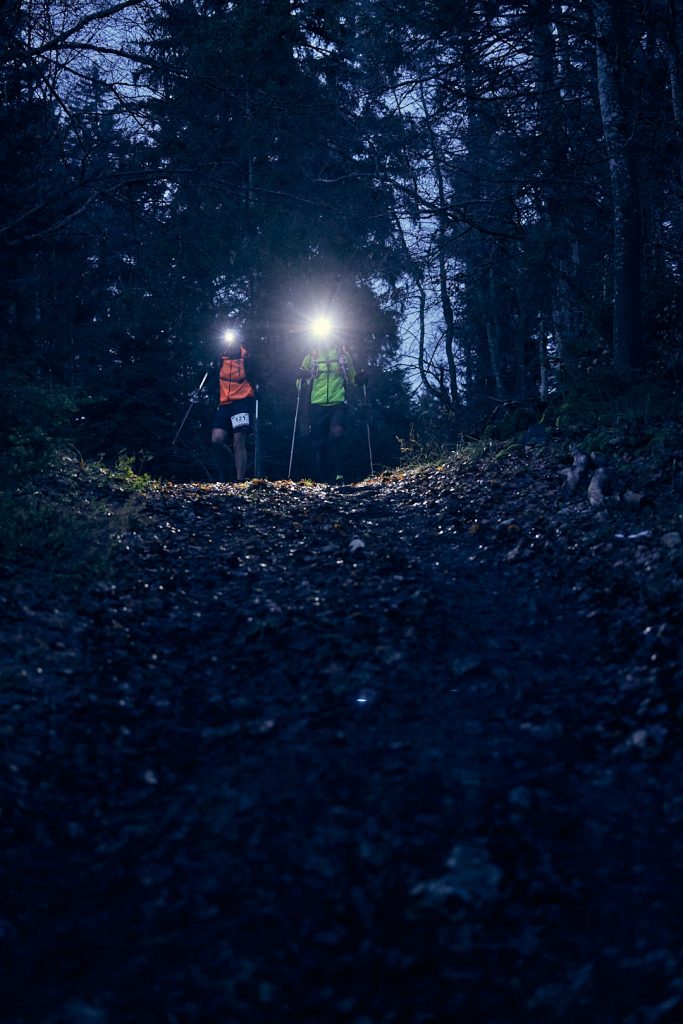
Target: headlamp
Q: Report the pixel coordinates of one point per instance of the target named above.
(321, 327)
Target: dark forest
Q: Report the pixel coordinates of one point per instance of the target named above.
(487, 196)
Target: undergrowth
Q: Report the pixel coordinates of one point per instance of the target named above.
(39, 532)
(604, 411)
(62, 520)
(606, 399)
(417, 450)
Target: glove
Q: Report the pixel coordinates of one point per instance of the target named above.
(361, 378)
(304, 375)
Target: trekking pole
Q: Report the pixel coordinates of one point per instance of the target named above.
(193, 400)
(257, 440)
(344, 365)
(367, 427)
(296, 417)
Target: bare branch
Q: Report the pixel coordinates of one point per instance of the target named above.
(57, 41)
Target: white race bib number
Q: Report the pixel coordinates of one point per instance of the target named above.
(240, 419)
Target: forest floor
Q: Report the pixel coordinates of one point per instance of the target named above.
(406, 752)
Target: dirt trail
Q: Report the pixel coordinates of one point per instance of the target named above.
(327, 756)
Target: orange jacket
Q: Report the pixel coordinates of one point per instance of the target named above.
(232, 376)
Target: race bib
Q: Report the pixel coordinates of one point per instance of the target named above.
(240, 419)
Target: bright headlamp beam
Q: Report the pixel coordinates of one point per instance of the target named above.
(321, 327)
(229, 335)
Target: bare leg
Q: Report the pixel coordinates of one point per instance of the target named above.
(239, 443)
(220, 440)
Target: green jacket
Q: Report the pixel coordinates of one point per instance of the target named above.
(328, 386)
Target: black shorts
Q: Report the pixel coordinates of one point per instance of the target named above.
(321, 419)
(235, 416)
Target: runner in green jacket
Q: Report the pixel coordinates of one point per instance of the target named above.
(329, 370)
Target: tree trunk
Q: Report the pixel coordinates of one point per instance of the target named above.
(493, 334)
(476, 278)
(676, 61)
(494, 337)
(551, 57)
(442, 242)
(543, 388)
(612, 78)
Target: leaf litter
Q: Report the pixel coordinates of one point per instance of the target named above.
(407, 751)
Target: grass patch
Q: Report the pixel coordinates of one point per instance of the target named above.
(38, 532)
(416, 451)
(128, 473)
(63, 522)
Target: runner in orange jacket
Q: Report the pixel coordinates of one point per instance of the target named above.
(234, 418)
